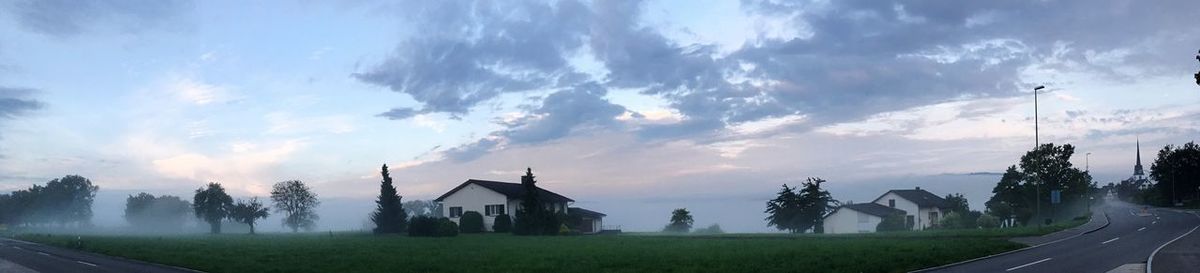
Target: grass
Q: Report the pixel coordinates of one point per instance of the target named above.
(648, 252)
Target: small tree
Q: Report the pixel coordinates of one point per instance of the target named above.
(503, 224)
(297, 202)
(248, 212)
(472, 222)
(212, 204)
(389, 216)
(894, 222)
(952, 220)
(681, 221)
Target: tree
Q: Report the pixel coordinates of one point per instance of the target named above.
(1176, 173)
(534, 217)
(211, 204)
(502, 224)
(389, 216)
(783, 212)
(248, 212)
(964, 216)
(814, 204)
(1027, 186)
(471, 222)
(162, 213)
(297, 202)
(681, 221)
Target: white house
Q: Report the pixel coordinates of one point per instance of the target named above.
(492, 198)
(857, 218)
(921, 208)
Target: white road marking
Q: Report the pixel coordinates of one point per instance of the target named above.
(1110, 240)
(43, 253)
(87, 263)
(1028, 264)
(17, 247)
(1141, 229)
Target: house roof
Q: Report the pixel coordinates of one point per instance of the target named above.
(921, 197)
(873, 209)
(585, 212)
(512, 190)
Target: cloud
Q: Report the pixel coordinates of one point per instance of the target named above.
(15, 102)
(469, 52)
(65, 18)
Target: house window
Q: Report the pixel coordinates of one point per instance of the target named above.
(455, 212)
(493, 210)
(892, 203)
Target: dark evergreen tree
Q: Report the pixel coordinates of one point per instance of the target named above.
(389, 216)
(814, 204)
(783, 212)
(534, 218)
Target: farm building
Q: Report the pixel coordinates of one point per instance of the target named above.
(492, 198)
(920, 207)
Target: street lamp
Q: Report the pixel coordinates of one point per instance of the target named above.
(1198, 73)
(1036, 143)
(1087, 162)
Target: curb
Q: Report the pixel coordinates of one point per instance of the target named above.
(1106, 223)
(110, 257)
(1150, 260)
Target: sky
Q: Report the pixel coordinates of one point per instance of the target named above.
(632, 108)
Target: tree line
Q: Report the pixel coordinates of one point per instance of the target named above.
(1174, 179)
(62, 202)
(292, 198)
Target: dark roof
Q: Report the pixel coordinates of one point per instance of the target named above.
(584, 212)
(873, 209)
(923, 198)
(512, 190)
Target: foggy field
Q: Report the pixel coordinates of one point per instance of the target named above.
(352, 252)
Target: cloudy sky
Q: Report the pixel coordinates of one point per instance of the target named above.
(631, 108)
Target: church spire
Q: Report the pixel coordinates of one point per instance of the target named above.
(1137, 169)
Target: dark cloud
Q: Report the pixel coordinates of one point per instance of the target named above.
(65, 18)
(854, 59)
(471, 151)
(15, 101)
(467, 52)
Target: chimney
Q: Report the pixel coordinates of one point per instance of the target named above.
(918, 188)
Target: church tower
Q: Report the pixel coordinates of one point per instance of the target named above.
(1137, 169)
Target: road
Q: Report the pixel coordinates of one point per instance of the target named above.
(1129, 239)
(25, 257)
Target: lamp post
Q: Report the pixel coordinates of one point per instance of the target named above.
(1198, 73)
(1087, 162)
(1036, 143)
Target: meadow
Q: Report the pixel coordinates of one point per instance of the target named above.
(358, 252)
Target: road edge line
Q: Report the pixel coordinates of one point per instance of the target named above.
(110, 256)
(1106, 223)
(1150, 260)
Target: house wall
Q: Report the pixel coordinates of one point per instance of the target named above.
(845, 220)
(908, 207)
(928, 222)
(473, 198)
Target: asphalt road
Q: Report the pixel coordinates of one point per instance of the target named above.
(1129, 239)
(25, 257)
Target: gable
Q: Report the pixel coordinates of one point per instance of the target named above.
(509, 190)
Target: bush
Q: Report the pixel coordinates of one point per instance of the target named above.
(988, 221)
(894, 222)
(503, 224)
(952, 220)
(447, 228)
(713, 229)
(472, 222)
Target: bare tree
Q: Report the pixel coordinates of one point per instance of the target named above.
(297, 202)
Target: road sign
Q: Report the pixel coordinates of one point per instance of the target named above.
(1055, 196)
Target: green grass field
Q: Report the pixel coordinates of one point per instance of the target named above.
(348, 252)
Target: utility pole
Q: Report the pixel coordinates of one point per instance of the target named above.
(1087, 162)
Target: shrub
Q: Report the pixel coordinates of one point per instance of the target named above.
(472, 222)
(894, 222)
(422, 226)
(713, 229)
(952, 220)
(447, 228)
(988, 221)
(503, 224)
